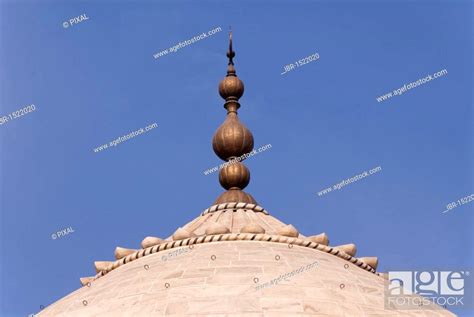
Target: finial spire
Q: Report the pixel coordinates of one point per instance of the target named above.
(230, 53)
(233, 140)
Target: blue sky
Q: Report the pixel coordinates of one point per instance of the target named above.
(98, 80)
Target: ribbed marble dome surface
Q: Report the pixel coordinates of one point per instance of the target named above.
(231, 279)
(231, 274)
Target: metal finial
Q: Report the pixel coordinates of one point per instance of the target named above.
(232, 140)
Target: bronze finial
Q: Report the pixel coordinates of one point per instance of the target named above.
(233, 140)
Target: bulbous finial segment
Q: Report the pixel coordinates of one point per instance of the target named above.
(235, 195)
(231, 88)
(232, 139)
(235, 175)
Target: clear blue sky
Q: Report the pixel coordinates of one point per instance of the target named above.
(98, 80)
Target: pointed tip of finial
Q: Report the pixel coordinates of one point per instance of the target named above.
(230, 53)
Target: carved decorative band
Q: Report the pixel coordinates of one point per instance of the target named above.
(247, 206)
(237, 237)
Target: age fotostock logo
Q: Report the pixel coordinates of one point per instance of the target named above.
(411, 289)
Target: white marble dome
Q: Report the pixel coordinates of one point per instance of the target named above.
(234, 274)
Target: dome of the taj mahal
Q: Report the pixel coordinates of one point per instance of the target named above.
(234, 258)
